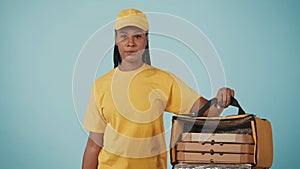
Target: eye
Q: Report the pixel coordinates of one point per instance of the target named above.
(138, 36)
(124, 36)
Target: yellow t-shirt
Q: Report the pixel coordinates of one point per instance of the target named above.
(128, 107)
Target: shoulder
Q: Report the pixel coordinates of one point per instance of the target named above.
(104, 80)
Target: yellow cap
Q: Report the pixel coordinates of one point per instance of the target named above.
(132, 17)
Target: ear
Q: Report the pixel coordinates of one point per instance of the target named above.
(116, 38)
(147, 40)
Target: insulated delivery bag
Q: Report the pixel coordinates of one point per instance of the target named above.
(243, 140)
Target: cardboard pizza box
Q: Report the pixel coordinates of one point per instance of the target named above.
(220, 158)
(215, 148)
(217, 138)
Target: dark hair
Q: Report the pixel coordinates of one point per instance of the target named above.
(118, 60)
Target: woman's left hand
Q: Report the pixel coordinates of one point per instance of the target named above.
(224, 96)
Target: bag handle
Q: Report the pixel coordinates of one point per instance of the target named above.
(214, 101)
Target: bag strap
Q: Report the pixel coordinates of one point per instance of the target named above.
(214, 101)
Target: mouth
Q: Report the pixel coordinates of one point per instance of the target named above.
(130, 52)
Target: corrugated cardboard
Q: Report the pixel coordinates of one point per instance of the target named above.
(215, 148)
(215, 158)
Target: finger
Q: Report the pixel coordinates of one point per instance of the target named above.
(219, 98)
(228, 97)
(224, 98)
(232, 93)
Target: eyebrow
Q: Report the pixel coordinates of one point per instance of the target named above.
(139, 32)
(133, 32)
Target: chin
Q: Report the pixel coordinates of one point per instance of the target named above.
(132, 58)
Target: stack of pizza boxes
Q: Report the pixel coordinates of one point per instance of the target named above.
(232, 142)
(215, 148)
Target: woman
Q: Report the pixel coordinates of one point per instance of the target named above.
(125, 111)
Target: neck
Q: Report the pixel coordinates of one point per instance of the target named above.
(128, 66)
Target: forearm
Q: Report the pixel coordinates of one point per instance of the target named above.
(90, 157)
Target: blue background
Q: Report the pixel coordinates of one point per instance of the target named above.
(257, 41)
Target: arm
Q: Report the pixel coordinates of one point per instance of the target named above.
(223, 97)
(92, 150)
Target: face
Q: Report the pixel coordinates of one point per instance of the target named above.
(131, 42)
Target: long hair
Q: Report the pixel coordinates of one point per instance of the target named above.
(118, 60)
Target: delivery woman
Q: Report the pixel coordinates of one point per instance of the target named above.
(125, 112)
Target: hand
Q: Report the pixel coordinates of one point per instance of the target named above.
(224, 96)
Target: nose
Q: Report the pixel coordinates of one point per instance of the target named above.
(130, 42)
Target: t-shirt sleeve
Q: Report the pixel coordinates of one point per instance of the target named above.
(181, 97)
(94, 120)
